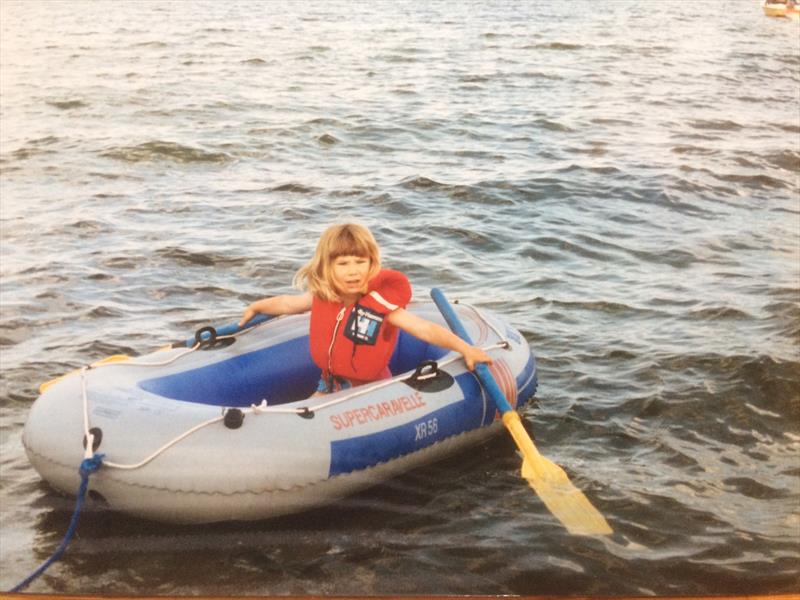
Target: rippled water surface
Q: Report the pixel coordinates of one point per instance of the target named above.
(620, 179)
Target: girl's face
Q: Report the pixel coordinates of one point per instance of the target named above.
(350, 275)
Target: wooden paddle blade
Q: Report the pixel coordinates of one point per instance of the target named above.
(567, 503)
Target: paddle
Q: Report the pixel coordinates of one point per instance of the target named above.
(548, 480)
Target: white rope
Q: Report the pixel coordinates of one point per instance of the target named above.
(483, 318)
(85, 398)
(89, 436)
(166, 446)
(163, 363)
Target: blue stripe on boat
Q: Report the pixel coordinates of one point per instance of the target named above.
(369, 450)
(279, 373)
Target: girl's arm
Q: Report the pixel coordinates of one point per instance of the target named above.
(288, 304)
(437, 335)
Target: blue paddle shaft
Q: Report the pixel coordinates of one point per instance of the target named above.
(481, 370)
(231, 328)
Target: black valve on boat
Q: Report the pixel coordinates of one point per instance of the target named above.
(233, 418)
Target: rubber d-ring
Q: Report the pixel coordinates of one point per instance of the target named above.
(212, 333)
(426, 370)
(305, 413)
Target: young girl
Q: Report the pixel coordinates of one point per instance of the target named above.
(356, 310)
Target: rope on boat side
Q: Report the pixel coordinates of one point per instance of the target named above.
(483, 318)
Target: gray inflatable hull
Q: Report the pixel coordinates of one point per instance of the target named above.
(170, 453)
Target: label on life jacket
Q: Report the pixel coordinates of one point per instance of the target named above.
(363, 325)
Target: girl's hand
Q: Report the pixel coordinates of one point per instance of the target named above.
(474, 355)
(249, 313)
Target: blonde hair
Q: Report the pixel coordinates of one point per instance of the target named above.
(349, 239)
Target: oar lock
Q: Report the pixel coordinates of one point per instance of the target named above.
(426, 370)
(429, 378)
(206, 338)
(305, 413)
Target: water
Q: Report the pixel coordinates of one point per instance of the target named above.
(620, 179)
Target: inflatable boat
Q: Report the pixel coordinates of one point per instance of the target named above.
(221, 426)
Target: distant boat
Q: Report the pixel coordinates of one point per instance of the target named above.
(781, 9)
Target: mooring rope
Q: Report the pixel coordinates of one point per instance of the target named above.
(88, 466)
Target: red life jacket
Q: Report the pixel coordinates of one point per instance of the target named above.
(356, 342)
